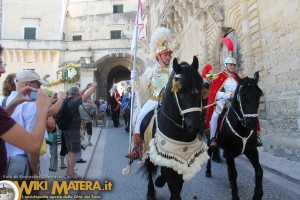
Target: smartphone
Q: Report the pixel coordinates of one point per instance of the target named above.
(33, 95)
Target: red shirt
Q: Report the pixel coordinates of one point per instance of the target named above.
(6, 123)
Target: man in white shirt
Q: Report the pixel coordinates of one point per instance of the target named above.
(24, 115)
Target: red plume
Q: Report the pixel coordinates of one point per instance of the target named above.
(206, 68)
(228, 43)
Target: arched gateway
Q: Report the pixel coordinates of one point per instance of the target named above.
(111, 69)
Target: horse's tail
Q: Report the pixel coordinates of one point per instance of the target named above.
(148, 169)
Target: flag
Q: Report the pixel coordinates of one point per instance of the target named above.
(141, 32)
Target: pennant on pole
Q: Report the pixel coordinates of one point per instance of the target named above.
(139, 24)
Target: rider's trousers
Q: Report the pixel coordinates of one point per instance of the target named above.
(148, 106)
(213, 124)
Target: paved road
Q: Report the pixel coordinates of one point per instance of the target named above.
(108, 162)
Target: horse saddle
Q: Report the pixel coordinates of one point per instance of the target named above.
(148, 129)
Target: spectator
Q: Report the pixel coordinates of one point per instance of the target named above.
(102, 112)
(8, 86)
(86, 114)
(13, 133)
(72, 134)
(25, 114)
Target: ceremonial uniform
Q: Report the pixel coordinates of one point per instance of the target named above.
(221, 90)
(158, 81)
(151, 83)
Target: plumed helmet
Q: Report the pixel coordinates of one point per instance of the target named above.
(207, 71)
(230, 60)
(229, 45)
(159, 42)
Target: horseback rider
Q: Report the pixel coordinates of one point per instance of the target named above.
(207, 75)
(153, 80)
(221, 91)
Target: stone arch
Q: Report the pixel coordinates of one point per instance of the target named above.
(111, 68)
(221, 52)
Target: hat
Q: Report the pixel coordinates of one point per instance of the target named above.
(29, 75)
(159, 42)
(229, 45)
(207, 71)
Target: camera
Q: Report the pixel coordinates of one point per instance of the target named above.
(33, 95)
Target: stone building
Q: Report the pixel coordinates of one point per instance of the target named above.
(266, 37)
(47, 35)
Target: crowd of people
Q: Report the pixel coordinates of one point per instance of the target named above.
(29, 128)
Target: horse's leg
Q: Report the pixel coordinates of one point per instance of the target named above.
(174, 181)
(126, 122)
(232, 175)
(160, 181)
(254, 159)
(151, 170)
(208, 165)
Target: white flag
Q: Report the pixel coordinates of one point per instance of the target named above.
(141, 28)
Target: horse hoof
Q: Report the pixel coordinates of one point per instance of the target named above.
(151, 198)
(208, 175)
(160, 182)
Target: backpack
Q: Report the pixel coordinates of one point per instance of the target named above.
(63, 117)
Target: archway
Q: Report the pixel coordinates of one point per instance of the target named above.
(221, 51)
(113, 68)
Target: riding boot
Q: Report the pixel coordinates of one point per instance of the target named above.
(137, 149)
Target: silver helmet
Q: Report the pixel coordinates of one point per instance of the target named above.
(229, 60)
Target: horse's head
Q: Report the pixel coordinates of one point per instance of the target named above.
(247, 97)
(183, 95)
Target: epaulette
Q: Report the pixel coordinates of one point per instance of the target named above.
(241, 76)
(215, 76)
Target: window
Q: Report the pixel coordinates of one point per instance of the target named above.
(115, 34)
(77, 37)
(65, 73)
(29, 33)
(118, 9)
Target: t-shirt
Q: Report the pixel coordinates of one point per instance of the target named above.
(6, 123)
(73, 106)
(103, 106)
(83, 112)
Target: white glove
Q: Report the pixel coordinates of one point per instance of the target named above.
(226, 96)
(133, 74)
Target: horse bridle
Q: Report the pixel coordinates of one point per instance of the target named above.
(242, 120)
(244, 116)
(181, 111)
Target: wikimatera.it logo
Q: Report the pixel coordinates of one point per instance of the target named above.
(56, 189)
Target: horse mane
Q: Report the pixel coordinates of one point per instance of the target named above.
(194, 81)
(246, 81)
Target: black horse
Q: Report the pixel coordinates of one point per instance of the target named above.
(179, 119)
(238, 133)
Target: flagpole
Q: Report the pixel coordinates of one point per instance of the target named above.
(127, 171)
(133, 83)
